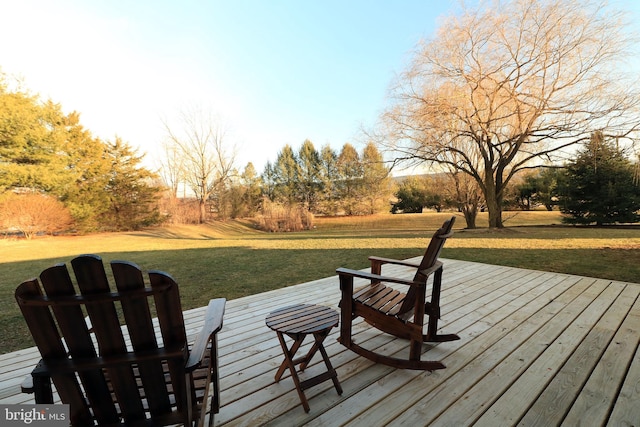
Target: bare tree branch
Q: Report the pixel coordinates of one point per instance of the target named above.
(510, 85)
(201, 146)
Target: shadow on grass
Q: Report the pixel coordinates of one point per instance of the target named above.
(234, 272)
(608, 263)
(202, 274)
(521, 231)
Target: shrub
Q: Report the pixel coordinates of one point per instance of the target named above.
(33, 213)
(278, 217)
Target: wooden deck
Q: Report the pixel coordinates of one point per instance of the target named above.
(536, 348)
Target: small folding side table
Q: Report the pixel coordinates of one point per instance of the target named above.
(298, 321)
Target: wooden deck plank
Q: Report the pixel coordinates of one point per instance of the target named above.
(534, 346)
(600, 393)
(465, 366)
(508, 358)
(532, 364)
(626, 411)
(514, 402)
(558, 396)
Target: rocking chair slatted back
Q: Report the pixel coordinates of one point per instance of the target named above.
(429, 259)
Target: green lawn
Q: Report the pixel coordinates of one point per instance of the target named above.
(233, 259)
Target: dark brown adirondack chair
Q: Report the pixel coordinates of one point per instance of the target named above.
(108, 377)
(395, 312)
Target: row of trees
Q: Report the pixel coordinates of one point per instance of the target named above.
(324, 182)
(48, 158)
(601, 185)
(55, 176)
(503, 88)
(327, 182)
(200, 162)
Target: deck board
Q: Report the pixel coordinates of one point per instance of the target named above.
(536, 348)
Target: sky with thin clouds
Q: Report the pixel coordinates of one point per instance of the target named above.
(275, 72)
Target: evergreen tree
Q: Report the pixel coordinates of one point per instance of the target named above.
(269, 182)
(29, 146)
(599, 186)
(328, 176)
(309, 174)
(416, 193)
(375, 179)
(538, 188)
(287, 175)
(349, 182)
(132, 195)
(411, 196)
(250, 182)
(45, 151)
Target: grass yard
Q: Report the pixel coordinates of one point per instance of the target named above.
(234, 260)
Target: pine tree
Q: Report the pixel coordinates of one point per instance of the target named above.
(599, 186)
(350, 173)
(375, 179)
(328, 181)
(309, 172)
(287, 175)
(132, 193)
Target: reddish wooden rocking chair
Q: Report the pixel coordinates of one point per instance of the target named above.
(106, 377)
(394, 312)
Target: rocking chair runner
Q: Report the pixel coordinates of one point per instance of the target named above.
(394, 312)
(105, 378)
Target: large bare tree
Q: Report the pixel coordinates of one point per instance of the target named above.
(207, 159)
(508, 85)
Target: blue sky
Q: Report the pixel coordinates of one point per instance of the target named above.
(275, 71)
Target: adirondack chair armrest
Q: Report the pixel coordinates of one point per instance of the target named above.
(26, 386)
(435, 267)
(382, 261)
(212, 325)
(39, 386)
(376, 277)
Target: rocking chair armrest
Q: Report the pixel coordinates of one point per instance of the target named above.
(376, 277)
(436, 266)
(212, 325)
(381, 260)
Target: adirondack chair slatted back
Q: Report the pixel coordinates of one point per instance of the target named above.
(57, 323)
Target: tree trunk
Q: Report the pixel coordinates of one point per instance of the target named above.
(494, 206)
(470, 213)
(493, 198)
(203, 211)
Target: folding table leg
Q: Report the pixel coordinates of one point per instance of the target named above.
(334, 375)
(294, 348)
(288, 362)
